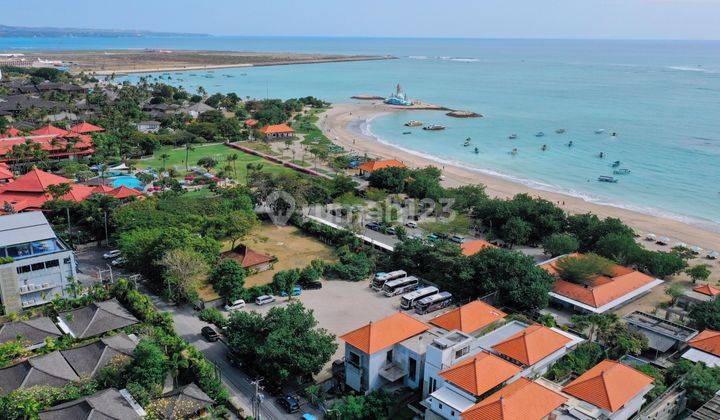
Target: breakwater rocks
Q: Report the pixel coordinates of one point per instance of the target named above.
(464, 114)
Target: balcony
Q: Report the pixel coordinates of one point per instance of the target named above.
(392, 372)
(33, 288)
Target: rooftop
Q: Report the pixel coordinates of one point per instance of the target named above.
(469, 318)
(277, 128)
(532, 344)
(87, 360)
(709, 411)
(32, 331)
(50, 369)
(707, 289)
(24, 227)
(374, 165)
(181, 403)
(106, 404)
(480, 373)
(522, 399)
(384, 333)
(608, 385)
(707, 341)
(95, 319)
(470, 248)
(661, 333)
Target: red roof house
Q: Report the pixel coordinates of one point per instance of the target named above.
(85, 128)
(251, 123)
(123, 192)
(55, 145)
(49, 130)
(532, 344)
(373, 165)
(521, 400)
(277, 131)
(10, 132)
(384, 333)
(6, 174)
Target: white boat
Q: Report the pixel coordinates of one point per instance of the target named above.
(512, 136)
(621, 171)
(434, 127)
(605, 178)
(599, 131)
(413, 123)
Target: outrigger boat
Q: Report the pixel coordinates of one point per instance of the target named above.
(605, 178)
(477, 151)
(560, 131)
(413, 123)
(616, 164)
(407, 132)
(514, 152)
(512, 136)
(540, 134)
(434, 127)
(621, 171)
(467, 142)
(599, 131)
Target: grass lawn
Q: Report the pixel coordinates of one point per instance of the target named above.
(218, 152)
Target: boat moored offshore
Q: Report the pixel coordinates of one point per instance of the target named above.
(605, 178)
(413, 123)
(434, 127)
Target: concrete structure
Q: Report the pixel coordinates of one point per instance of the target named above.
(41, 263)
(663, 336)
(148, 126)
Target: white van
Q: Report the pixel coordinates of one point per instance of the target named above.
(262, 300)
(235, 305)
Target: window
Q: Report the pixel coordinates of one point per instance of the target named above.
(52, 263)
(412, 367)
(66, 260)
(452, 412)
(354, 359)
(388, 356)
(38, 266)
(462, 352)
(23, 269)
(18, 251)
(433, 385)
(440, 406)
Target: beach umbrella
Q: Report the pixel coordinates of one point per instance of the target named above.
(680, 245)
(696, 249)
(663, 240)
(713, 255)
(650, 237)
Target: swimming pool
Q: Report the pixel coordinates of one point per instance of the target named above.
(127, 181)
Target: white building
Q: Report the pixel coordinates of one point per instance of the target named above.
(148, 126)
(39, 263)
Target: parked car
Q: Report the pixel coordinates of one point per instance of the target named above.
(296, 291)
(411, 225)
(112, 254)
(289, 403)
(264, 299)
(209, 333)
(373, 226)
(432, 237)
(457, 239)
(118, 262)
(235, 305)
(390, 231)
(313, 285)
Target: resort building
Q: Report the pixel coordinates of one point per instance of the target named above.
(608, 391)
(250, 259)
(186, 402)
(470, 248)
(31, 332)
(57, 145)
(49, 370)
(371, 166)
(6, 174)
(30, 191)
(277, 131)
(87, 360)
(523, 399)
(470, 319)
(86, 128)
(664, 337)
(604, 293)
(107, 404)
(386, 351)
(705, 347)
(95, 319)
(148, 126)
(41, 264)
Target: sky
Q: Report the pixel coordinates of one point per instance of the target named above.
(624, 19)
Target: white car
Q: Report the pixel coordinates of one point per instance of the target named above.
(411, 225)
(117, 262)
(235, 305)
(262, 300)
(112, 254)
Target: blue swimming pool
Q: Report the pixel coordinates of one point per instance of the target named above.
(127, 181)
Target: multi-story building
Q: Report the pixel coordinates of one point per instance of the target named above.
(38, 264)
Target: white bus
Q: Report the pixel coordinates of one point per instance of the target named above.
(409, 300)
(400, 286)
(382, 278)
(433, 303)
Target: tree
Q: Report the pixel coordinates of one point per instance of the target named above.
(618, 247)
(57, 191)
(584, 269)
(148, 367)
(232, 159)
(390, 179)
(238, 224)
(699, 272)
(516, 231)
(700, 383)
(282, 345)
(620, 340)
(207, 162)
(661, 264)
(706, 315)
(658, 380)
(594, 323)
(185, 270)
(560, 244)
(674, 290)
(228, 279)
(285, 281)
(164, 158)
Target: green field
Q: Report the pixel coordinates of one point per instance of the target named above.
(218, 152)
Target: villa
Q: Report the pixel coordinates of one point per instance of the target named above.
(32, 332)
(277, 131)
(523, 399)
(148, 126)
(250, 259)
(471, 318)
(95, 319)
(604, 293)
(371, 166)
(705, 347)
(56, 142)
(106, 404)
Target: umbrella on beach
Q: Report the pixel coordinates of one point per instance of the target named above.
(696, 249)
(713, 255)
(650, 237)
(663, 240)
(680, 245)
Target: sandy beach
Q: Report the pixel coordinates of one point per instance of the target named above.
(335, 124)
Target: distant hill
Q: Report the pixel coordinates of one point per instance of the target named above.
(25, 32)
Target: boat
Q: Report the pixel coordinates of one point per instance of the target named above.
(514, 152)
(539, 134)
(477, 151)
(413, 123)
(605, 178)
(467, 142)
(621, 171)
(616, 164)
(599, 131)
(407, 132)
(560, 131)
(512, 136)
(434, 127)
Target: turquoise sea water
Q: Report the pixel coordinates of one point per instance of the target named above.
(662, 98)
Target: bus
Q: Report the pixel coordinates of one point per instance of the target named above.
(409, 300)
(400, 286)
(382, 278)
(433, 303)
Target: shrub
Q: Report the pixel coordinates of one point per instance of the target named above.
(578, 361)
(228, 279)
(560, 244)
(584, 269)
(213, 316)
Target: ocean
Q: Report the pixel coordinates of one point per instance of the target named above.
(661, 98)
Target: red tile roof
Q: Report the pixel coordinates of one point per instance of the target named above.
(608, 385)
(50, 130)
(84, 128)
(277, 129)
(251, 123)
(521, 400)
(122, 192)
(5, 172)
(35, 181)
(707, 289)
(532, 344)
(10, 132)
(469, 318)
(384, 333)
(102, 189)
(707, 341)
(374, 165)
(481, 373)
(252, 258)
(603, 289)
(56, 146)
(473, 247)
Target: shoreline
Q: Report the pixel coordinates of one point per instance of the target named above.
(343, 124)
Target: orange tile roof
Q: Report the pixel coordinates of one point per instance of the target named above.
(10, 132)
(469, 318)
(374, 165)
(707, 341)
(252, 258)
(5, 172)
(521, 400)
(604, 289)
(473, 247)
(85, 127)
(276, 129)
(251, 123)
(35, 181)
(102, 189)
(481, 373)
(384, 333)
(50, 130)
(608, 385)
(124, 192)
(707, 289)
(532, 344)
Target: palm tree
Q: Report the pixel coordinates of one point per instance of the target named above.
(164, 158)
(188, 149)
(232, 159)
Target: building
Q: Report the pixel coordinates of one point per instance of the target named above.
(86, 128)
(148, 126)
(470, 248)
(87, 360)
(41, 263)
(705, 347)
(471, 318)
(521, 400)
(250, 259)
(107, 404)
(386, 351)
(698, 294)
(30, 191)
(366, 168)
(95, 319)
(6, 174)
(186, 402)
(604, 293)
(398, 98)
(277, 131)
(608, 391)
(49, 369)
(664, 337)
(195, 110)
(31, 332)
(58, 146)
(709, 411)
